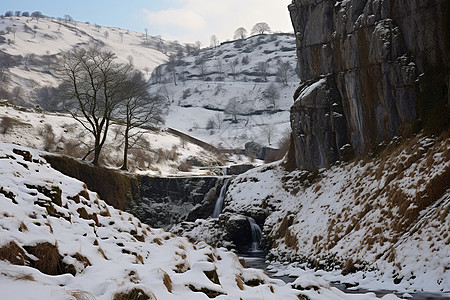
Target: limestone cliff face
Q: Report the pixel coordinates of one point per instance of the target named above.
(361, 63)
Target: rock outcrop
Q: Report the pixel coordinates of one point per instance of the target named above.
(367, 67)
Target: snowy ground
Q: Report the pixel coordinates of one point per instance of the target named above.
(379, 224)
(34, 46)
(387, 214)
(60, 241)
(157, 153)
(208, 80)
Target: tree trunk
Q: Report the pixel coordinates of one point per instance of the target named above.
(125, 152)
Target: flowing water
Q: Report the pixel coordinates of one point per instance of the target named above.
(219, 202)
(256, 235)
(257, 260)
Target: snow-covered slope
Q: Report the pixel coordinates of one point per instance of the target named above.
(221, 94)
(382, 223)
(29, 47)
(156, 153)
(60, 241)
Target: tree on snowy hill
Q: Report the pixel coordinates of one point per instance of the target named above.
(233, 108)
(283, 70)
(260, 28)
(240, 33)
(138, 108)
(93, 83)
(272, 95)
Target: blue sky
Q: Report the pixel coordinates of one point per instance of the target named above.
(182, 20)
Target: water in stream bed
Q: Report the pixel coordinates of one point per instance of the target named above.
(257, 260)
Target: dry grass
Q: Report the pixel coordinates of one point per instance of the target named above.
(134, 294)
(212, 276)
(240, 283)
(49, 260)
(167, 281)
(81, 295)
(13, 253)
(23, 227)
(100, 250)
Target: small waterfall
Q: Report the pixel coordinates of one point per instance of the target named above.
(256, 235)
(219, 202)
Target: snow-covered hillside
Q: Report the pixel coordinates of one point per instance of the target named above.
(380, 223)
(29, 48)
(234, 93)
(60, 241)
(157, 153)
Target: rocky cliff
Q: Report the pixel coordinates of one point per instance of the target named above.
(367, 67)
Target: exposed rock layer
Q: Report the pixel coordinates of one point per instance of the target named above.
(376, 56)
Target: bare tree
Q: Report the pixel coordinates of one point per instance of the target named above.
(146, 34)
(171, 67)
(233, 66)
(272, 95)
(263, 68)
(240, 33)
(269, 131)
(106, 34)
(219, 119)
(13, 31)
(233, 108)
(47, 98)
(260, 28)
(68, 18)
(17, 94)
(121, 36)
(37, 15)
(283, 70)
(92, 81)
(214, 41)
(137, 109)
(17, 13)
(201, 65)
(198, 45)
(219, 69)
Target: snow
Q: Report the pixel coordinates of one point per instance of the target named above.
(194, 101)
(70, 138)
(48, 38)
(122, 253)
(374, 211)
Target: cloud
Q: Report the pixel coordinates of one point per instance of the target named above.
(192, 20)
(183, 19)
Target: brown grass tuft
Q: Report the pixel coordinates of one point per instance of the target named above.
(134, 294)
(83, 259)
(23, 227)
(167, 281)
(49, 260)
(13, 253)
(81, 295)
(212, 276)
(100, 250)
(240, 282)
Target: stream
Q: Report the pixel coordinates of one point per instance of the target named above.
(256, 259)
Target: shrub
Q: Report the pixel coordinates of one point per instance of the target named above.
(186, 93)
(6, 124)
(184, 166)
(49, 136)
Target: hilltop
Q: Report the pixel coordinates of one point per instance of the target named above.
(29, 48)
(237, 92)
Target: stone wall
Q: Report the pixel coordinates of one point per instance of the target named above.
(361, 63)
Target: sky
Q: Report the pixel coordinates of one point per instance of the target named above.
(186, 21)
